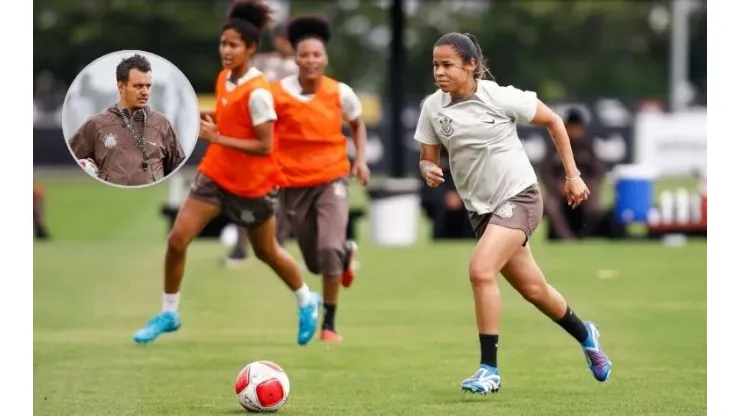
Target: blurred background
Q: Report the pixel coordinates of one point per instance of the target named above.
(628, 77)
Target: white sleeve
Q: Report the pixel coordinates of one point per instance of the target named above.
(351, 105)
(261, 106)
(519, 105)
(424, 128)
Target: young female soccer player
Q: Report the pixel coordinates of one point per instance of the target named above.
(311, 108)
(275, 66)
(237, 176)
(475, 119)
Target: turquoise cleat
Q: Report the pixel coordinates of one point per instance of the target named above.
(485, 380)
(308, 318)
(160, 324)
(598, 362)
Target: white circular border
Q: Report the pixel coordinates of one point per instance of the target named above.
(196, 116)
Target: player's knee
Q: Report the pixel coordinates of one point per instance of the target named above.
(331, 259)
(481, 273)
(177, 242)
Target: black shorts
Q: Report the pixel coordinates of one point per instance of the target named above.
(246, 212)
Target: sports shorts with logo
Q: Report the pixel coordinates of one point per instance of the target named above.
(246, 212)
(522, 212)
(318, 217)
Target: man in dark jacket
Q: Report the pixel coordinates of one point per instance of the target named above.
(129, 144)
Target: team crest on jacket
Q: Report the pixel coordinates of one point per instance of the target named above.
(110, 140)
(445, 125)
(506, 210)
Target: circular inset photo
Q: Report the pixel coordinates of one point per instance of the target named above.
(131, 119)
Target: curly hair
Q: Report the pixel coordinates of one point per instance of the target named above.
(304, 27)
(248, 18)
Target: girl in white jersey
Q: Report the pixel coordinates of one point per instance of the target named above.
(475, 119)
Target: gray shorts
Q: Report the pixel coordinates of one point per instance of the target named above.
(522, 212)
(318, 217)
(246, 212)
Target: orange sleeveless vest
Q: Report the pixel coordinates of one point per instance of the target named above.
(313, 150)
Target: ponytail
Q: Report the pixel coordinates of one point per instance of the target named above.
(481, 69)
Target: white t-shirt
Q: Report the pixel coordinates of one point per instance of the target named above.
(351, 105)
(487, 161)
(261, 102)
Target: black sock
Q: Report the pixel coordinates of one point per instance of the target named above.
(329, 312)
(41, 233)
(573, 325)
(488, 349)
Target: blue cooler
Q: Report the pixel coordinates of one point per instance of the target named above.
(633, 193)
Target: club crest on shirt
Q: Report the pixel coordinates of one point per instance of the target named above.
(506, 210)
(110, 140)
(445, 125)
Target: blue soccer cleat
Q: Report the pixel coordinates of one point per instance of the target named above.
(598, 362)
(308, 318)
(160, 324)
(485, 380)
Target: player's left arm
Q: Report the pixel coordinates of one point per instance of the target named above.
(544, 116)
(525, 107)
(352, 113)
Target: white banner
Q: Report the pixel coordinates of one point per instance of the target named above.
(672, 144)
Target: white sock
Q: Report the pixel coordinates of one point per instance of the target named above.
(303, 296)
(170, 302)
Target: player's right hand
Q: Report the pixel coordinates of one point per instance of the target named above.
(433, 175)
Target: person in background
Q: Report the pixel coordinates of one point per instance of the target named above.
(311, 111)
(276, 66)
(237, 177)
(444, 207)
(280, 63)
(589, 219)
(39, 225)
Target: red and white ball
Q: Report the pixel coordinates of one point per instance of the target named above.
(262, 386)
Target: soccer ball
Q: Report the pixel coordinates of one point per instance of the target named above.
(262, 386)
(89, 166)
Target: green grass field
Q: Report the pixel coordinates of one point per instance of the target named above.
(408, 323)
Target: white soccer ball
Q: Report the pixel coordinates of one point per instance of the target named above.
(89, 166)
(262, 386)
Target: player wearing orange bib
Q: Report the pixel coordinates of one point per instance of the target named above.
(238, 176)
(311, 109)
